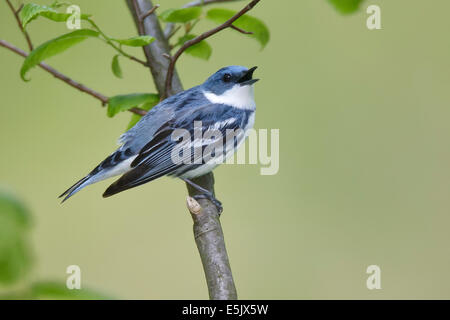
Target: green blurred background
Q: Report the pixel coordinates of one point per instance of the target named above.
(364, 178)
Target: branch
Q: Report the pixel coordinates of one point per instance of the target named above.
(154, 51)
(57, 74)
(203, 36)
(103, 99)
(115, 47)
(149, 12)
(240, 30)
(210, 242)
(198, 3)
(19, 23)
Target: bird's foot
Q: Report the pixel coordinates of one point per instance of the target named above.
(211, 198)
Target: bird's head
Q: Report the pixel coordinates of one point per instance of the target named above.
(232, 77)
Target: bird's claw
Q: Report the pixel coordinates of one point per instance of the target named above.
(211, 198)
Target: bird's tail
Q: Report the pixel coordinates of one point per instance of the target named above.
(76, 187)
(116, 164)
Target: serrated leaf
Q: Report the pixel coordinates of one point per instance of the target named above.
(248, 23)
(136, 117)
(138, 41)
(53, 47)
(31, 11)
(125, 102)
(200, 50)
(346, 6)
(181, 15)
(59, 291)
(115, 66)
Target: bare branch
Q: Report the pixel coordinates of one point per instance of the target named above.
(103, 99)
(203, 36)
(19, 23)
(210, 242)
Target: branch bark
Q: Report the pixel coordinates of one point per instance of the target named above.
(210, 242)
(154, 51)
(207, 228)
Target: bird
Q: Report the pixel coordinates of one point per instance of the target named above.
(224, 103)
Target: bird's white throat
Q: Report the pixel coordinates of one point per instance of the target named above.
(241, 97)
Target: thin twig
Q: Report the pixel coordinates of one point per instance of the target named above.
(112, 44)
(199, 3)
(169, 30)
(172, 33)
(240, 30)
(20, 8)
(149, 12)
(19, 23)
(66, 79)
(138, 111)
(201, 37)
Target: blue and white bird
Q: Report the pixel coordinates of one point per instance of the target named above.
(225, 101)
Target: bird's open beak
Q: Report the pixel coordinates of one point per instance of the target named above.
(247, 79)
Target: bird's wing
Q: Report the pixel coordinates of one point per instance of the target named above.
(155, 158)
(138, 136)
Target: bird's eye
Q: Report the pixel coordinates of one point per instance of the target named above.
(227, 77)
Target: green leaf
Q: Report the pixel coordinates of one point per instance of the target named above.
(11, 206)
(136, 117)
(15, 256)
(125, 102)
(31, 11)
(116, 67)
(200, 50)
(181, 15)
(15, 260)
(61, 17)
(138, 41)
(53, 47)
(59, 291)
(57, 4)
(246, 22)
(346, 6)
